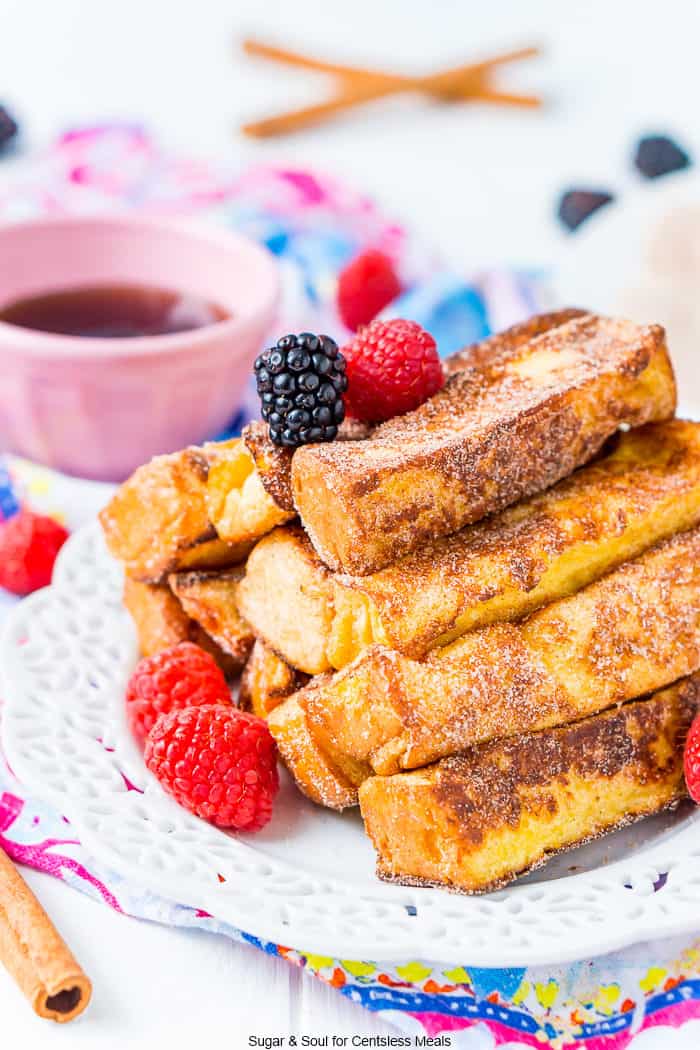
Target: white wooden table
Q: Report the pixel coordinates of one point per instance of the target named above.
(481, 183)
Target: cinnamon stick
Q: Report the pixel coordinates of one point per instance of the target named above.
(357, 85)
(35, 954)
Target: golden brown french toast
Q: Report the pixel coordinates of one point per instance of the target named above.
(503, 345)
(489, 438)
(645, 488)
(174, 512)
(632, 632)
(267, 680)
(286, 596)
(272, 463)
(327, 779)
(478, 820)
(157, 522)
(249, 484)
(250, 488)
(209, 598)
(161, 621)
(238, 501)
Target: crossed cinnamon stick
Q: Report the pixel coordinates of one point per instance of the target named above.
(471, 82)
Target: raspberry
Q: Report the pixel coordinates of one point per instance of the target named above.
(392, 367)
(181, 676)
(366, 286)
(576, 206)
(301, 381)
(218, 762)
(659, 155)
(29, 544)
(691, 761)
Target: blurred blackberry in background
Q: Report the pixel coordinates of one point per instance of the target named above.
(657, 155)
(301, 381)
(8, 128)
(575, 206)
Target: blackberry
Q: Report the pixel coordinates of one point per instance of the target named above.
(301, 381)
(659, 155)
(575, 206)
(8, 127)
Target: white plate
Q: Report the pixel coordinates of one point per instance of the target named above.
(307, 880)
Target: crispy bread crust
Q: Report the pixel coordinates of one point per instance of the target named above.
(488, 439)
(157, 522)
(204, 507)
(478, 820)
(284, 564)
(326, 779)
(161, 621)
(549, 854)
(274, 464)
(267, 681)
(646, 488)
(632, 632)
(238, 503)
(499, 348)
(209, 598)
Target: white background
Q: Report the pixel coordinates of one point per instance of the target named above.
(479, 182)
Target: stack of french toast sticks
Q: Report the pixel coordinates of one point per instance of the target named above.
(480, 620)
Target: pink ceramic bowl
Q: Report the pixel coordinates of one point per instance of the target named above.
(100, 407)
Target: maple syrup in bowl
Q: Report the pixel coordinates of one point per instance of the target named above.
(122, 311)
(122, 338)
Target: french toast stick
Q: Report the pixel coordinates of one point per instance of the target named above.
(644, 488)
(204, 507)
(327, 779)
(248, 488)
(632, 632)
(273, 463)
(286, 593)
(480, 819)
(267, 681)
(503, 345)
(157, 522)
(249, 491)
(489, 438)
(161, 621)
(209, 598)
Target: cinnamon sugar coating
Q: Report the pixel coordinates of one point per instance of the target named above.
(327, 778)
(161, 622)
(158, 521)
(204, 506)
(490, 437)
(274, 463)
(209, 598)
(478, 820)
(634, 631)
(267, 681)
(499, 348)
(645, 488)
